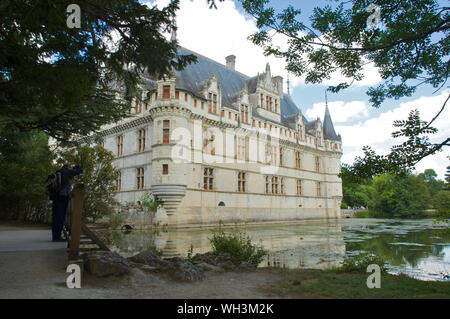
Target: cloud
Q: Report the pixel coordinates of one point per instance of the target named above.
(219, 33)
(376, 132)
(340, 111)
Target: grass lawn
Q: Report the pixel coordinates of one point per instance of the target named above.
(328, 284)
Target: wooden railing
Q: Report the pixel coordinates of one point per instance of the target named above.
(75, 225)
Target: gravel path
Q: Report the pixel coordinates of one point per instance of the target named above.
(31, 266)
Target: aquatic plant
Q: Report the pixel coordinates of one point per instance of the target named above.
(238, 245)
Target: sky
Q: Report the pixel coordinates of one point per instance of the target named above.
(219, 33)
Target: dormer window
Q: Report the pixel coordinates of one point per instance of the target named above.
(262, 100)
(138, 107)
(166, 92)
(212, 103)
(244, 113)
(300, 131)
(276, 105)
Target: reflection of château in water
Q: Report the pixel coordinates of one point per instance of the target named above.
(322, 248)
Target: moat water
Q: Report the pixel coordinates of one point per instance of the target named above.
(417, 248)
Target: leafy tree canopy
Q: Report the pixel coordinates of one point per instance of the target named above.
(99, 178)
(409, 44)
(64, 80)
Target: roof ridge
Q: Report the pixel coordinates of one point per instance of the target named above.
(214, 61)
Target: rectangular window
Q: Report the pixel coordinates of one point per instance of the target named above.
(267, 185)
(299, 187)
(138, 106)
(318, 189)
(208, 142)
(281, 156)
(300, 132)
(210, 102)
(140, 178)
(241, 182)
(195, 102)
(235, 117)
(223, 113)
(262, 100)
(177, 95)
(297, 160)
(141, 140)
(185, 97)
(119, 145)
(229, 115)
(165, 169)
(244, 113)
(166, 92)
(208, 178)
(274, 185)
(203, 105)
(119, 182)
(241, 148)
(281, 185)
(317, 164)
(166, 132)
(214, 103)
(276, 105)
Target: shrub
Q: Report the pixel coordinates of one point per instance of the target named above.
(362, 214)
(99, 179)
(150, 201)
(115, 220)
(239, 246)
(359, 263)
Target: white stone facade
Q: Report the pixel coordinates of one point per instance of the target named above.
(206, 152)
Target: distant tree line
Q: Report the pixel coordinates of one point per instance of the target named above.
(401, 194)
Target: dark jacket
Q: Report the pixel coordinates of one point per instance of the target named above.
(67, 175)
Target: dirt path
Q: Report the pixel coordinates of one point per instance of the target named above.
(31, 266)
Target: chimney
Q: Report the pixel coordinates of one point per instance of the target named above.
(279, 83)
(231, 61)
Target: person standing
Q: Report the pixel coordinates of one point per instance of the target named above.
(61, 199)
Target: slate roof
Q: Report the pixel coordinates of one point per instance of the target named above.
(195, 75)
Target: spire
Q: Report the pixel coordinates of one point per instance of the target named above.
(328, 127)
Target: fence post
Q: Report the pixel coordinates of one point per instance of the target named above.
(75, 222)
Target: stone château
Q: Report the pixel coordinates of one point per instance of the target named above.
(216, 145)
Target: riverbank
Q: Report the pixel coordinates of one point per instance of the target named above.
(31, 266)
(319, 284)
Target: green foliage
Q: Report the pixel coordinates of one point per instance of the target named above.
(25, 162)
(409, 43)
(360, 262)
(190, 254)
(398, 195)
(409, 47)
(362, 214)
(356, 191)
(99, 178)
(115, 221)
(64, 81)
(239, 246)
(434, 185)
(150, 201)
(442, 201)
